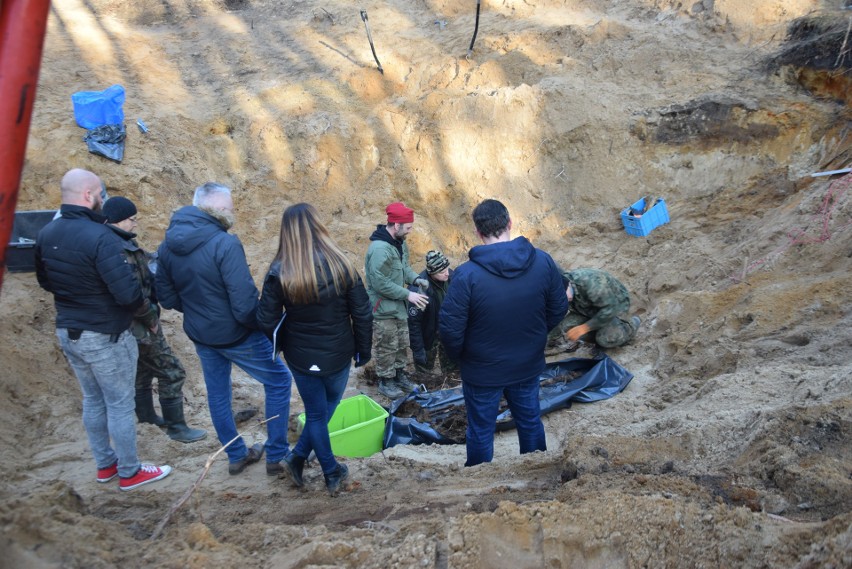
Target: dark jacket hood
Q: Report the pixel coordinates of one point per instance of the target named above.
(507, 259)
(189, 229)
(381, 234)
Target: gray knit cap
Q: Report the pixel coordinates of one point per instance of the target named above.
(436, 262)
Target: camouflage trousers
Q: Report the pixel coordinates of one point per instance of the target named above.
(390, 346)
(616, 332)
(156, 360)
(437, 352)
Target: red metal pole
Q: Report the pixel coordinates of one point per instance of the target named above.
(22, 28)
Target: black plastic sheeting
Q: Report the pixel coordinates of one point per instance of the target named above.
(602, 378)
(107, 141)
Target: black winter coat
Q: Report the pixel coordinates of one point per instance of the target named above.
(423, 324)
(202, 272)
(498, 311)
(319, 338)
(82, 262)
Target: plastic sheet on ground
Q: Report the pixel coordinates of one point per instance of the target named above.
(601, 379)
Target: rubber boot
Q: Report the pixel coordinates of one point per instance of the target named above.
(177, 428)
(334, 481)
(145, 408)
(294, 465)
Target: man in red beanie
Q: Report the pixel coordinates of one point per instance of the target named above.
(387, 274)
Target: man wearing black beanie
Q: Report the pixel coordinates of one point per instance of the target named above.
(155, 356)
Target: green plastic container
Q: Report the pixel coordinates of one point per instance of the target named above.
(357, 427)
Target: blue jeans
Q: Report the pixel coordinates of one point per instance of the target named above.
(483, 404)
(321, 396)
(253, 356)
(107, 373)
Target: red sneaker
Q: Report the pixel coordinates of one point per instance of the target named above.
(108, 473)
(146, 473)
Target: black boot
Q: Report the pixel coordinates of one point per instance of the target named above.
(145, 408)
(335, 480)
(403, 381)
(294, 465)
(177, 428)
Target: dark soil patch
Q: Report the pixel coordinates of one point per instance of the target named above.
(562, 378)
(436, 381)
(369, 376)
(816, 41)
(449, 422)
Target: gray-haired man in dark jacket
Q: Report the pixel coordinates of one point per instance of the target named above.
(204, 274)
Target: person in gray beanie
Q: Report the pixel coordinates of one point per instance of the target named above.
(423, 323)
(155, 356)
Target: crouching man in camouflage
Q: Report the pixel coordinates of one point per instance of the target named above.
(597, 309)
(155, 356)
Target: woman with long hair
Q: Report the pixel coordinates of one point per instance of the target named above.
(315, 305)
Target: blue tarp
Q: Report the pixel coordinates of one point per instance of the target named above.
(601, 379)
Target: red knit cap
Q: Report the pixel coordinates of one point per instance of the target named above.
(398, 213)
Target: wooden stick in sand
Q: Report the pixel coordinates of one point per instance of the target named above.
(186, 495)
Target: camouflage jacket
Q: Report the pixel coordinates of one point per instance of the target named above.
(597, 295)
(141, 261)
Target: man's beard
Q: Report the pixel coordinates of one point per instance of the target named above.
(401, 238)
(226, 218)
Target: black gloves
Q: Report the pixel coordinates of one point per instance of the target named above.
(362, 359)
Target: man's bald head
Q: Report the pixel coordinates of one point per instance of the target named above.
(81, 187)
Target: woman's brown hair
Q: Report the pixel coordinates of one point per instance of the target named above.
(305, 249)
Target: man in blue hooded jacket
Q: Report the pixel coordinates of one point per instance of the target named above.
(204, 274)
(499, 308)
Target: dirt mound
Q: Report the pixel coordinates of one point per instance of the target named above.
(731, 445)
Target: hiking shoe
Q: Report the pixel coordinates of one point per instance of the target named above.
(403, 381)
(335, 480)
(108, 473)
(253, 455)
(389, 389)
(293, 467)
(146, 473)
(274, 468)
(636, 321)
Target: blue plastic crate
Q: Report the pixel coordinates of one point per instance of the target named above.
(642, 225)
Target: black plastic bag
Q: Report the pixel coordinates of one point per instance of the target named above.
(107, 141)
(410, 431)
(601, 378)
